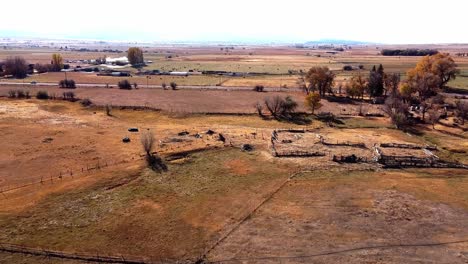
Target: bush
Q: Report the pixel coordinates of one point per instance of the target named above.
(108, 110)
(164, 85)
(280, 107)
(259, 88)
(125, 84)
(20, 94)
(12, 93)
(70, 84)
(347, 68)
(42, 95)
(173, 85)
(86, 102)
(70, 96)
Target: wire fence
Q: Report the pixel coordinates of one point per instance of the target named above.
(70, 173)
(100, 258)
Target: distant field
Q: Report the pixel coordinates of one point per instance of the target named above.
(266, 60)
(189, 101)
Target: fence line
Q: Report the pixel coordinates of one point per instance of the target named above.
(71, 173)
(12, 248)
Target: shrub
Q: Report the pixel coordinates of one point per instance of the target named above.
(20, 94)
(86, 102)
(259, 88)
(125, 84)
(347, 68)
(164, 85)
(173, 85)
(12, 93)
(259, 108)
(42, 95)
(108, 110)
(69, 96)
(280, 107)
(70, 84)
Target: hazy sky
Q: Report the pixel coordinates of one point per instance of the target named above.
(391, 21)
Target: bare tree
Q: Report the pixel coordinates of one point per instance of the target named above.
(434, 116)
(274, 105)
(153, 160)
(397, 110)
(16, 66)
(391, 82)
(147, 142)
(108, 110)
(461, 110)
(258, 106)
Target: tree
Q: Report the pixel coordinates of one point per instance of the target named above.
(312, 101)
(67, 84)
(320, 79)
(376, 81)
(125, 84)
(434, 116)
(445, 67)
(259, 108)
(391, 83)
(426, 84)
(279, 106)
(437, 70)
(57, 62)
(16, 66)
(259, 88)
(461, 110)
(42, 95)
(153, 161)
(397, 110)
(135, 56)
(108, 110)
(289, 106)
(405, 91)
(273, 105)
(358, 84)
(147, 142)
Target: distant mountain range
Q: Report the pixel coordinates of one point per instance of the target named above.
(335, 42)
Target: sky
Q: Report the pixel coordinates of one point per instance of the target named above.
(293, 21)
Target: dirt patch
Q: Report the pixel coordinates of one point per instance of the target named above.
(238, 167)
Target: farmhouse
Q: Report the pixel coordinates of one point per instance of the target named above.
(117, 61)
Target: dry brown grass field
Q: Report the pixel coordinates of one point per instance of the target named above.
(69, 184)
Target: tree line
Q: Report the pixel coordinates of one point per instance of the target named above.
(408, 52)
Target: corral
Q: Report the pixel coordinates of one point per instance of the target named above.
(309, 143)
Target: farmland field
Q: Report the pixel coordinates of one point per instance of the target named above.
(244, 59)
(75, 184)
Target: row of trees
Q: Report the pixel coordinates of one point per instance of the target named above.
(408, 52)
(18, 67)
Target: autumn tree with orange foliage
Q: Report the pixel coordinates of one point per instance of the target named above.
(312, 101)
(431, 74)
